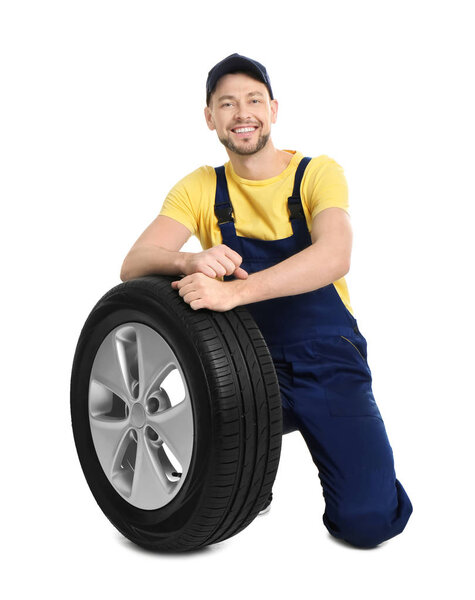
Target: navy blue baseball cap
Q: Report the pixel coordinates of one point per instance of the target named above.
(232, 64)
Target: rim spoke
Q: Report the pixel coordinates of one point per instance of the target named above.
(175, 427)
(110, 437)
(149, 486)
(107, 368)
(126, 348)
(155, 359)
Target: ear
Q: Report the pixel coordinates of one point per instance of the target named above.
(209, 118)
(274, 107)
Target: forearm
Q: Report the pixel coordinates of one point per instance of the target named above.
(312, 268)
(149, 259)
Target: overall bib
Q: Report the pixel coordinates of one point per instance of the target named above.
(326, 385)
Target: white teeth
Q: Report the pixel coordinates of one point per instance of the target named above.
(244, 129)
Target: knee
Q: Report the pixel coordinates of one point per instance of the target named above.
(367, 528)
(364, 528)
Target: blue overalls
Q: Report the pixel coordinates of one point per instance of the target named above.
(326, 385)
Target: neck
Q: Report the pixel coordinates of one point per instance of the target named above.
(268, 162)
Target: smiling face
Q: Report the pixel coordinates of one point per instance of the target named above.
(241, 112)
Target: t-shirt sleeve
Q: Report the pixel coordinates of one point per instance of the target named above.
(183, 202)
(326, 186)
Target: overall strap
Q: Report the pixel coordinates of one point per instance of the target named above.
(294, 203)
(223, 209)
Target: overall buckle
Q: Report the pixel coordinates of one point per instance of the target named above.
(295, 208)
(224, 213)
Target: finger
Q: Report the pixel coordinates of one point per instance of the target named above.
(177, 285)
(225, 266)
(186, 289)
(190, 296)
(178, 282)
(197, 304)
(219, 268)
(179, 288)
(207, 270)
(241, 273)
(233, 255)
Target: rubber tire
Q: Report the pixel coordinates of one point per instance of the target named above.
(236, 410)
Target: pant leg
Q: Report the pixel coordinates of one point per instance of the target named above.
(334, 408)
(284, 375)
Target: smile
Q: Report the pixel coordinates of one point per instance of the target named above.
(243, 131)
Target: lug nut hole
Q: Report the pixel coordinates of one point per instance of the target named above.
(153, 404)
(152, 434)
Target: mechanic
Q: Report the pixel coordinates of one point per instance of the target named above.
(277, 238)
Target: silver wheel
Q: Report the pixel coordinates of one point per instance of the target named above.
(141, 416)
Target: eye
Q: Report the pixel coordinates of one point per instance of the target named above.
(255, 100)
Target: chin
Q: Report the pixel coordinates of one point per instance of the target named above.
(245, 150)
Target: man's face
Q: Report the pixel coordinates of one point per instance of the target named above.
(241, 111)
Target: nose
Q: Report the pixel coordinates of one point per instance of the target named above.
(242, 112)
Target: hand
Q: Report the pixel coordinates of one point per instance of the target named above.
(215, 262)
(201, 291)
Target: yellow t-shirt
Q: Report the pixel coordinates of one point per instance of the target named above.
(259, 206)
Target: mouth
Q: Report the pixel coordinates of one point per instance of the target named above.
(244, 132)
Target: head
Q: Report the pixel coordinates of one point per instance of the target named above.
(240, 104)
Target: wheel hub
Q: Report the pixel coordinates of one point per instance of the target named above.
(138, 415)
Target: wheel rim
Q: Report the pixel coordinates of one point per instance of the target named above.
(141, 417)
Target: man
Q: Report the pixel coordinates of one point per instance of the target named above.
(277, 238)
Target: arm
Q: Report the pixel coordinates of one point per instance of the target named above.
(157, 251)
(322, 263)
(325, 261)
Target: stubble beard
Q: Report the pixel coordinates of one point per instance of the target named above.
(261, 142)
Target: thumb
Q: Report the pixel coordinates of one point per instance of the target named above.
(241, 273)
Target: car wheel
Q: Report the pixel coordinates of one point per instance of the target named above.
(176, 416)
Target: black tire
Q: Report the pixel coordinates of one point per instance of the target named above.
(236, 408)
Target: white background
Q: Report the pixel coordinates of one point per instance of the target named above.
(101, 114)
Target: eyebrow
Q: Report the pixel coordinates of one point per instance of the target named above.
(228, 97)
